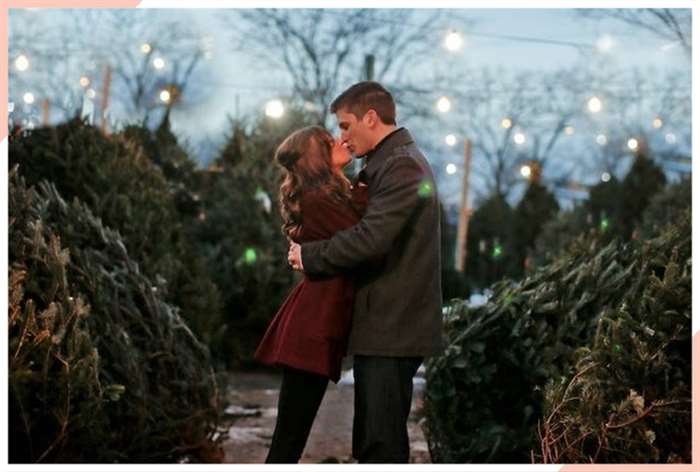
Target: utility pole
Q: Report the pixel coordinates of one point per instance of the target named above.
(105, 98)
(369, 66)
(45, 112)
(464, 211)
(369, 75)
(238, 107)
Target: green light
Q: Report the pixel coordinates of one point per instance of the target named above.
(604, 223)
(250, 256)
(497, 251)
(425, 189)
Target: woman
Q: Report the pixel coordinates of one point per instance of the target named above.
(308, 335)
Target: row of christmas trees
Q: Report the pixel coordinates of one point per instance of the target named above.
(129, 262)
(586, 359)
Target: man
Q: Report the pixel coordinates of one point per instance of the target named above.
(395, 250)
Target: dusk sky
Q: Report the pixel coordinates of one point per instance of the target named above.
(228, 77)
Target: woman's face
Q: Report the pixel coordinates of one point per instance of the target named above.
(340, 156)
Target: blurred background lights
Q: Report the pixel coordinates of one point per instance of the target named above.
(28, 98)
(633, 144)
(601, 139)
(22, 63)
(671, 138)
(444, 105)
(250, 256)
(145, 48)
(526, 171)
(594, 104)
(84, 81)
(605, 43)
(158, 63)
(453, 41)
(506, 123)
(658, 123)
(91, 93)
(451, 169)
(605, 177)
(519, 138)
(451, 139)
(274, 109)
(164, 96)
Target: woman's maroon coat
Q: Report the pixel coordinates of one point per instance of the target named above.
(311, 328)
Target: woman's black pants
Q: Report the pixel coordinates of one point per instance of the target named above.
(300, 397)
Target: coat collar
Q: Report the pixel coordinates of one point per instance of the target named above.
(384, 148)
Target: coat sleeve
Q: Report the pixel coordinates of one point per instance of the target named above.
(396, 195)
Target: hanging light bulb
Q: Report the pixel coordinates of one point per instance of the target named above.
(453, 41)
(22, 63)
(274, 109)
(444, 105)
(594, 104)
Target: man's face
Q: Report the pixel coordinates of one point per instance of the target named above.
(354, 133)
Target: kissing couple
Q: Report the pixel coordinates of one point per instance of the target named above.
(369, 251)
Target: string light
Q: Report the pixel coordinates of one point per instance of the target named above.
(22, 63)
(605, 43)
(28, 98)
(519, 138)
(605, 177)
(451, 139)
(158, 63)
(506, 123)
(633, 144)
(451, 169)
(526, 171)
(658, 123)
(453, 41)
(595, 105)
(165, 96)
(601, 139)
(274, 109)
(444, 105)
(145, 48)
(670, 138)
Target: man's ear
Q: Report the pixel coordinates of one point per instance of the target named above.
(371, 118)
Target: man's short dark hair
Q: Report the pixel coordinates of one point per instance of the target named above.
(364, 96)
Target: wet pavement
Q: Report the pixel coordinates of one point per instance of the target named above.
(252, 410)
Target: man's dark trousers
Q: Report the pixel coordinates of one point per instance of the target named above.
(383, 391)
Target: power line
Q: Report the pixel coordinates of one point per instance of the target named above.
(529, 39)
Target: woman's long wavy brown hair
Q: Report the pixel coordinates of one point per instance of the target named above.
(305, 156)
